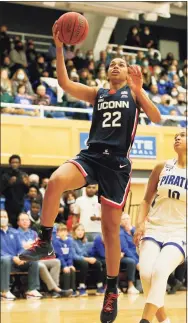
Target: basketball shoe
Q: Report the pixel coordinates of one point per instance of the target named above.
(39, 250)
(109, 310)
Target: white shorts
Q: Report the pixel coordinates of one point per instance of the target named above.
(171, 238)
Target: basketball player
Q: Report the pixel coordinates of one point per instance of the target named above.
(106, 161)
(161, 226)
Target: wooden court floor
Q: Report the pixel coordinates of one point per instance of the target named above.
(85, 310)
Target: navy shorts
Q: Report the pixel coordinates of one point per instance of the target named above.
(110, 170)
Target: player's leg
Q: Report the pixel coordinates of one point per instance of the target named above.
(170, 257)
(110, 221)
(149, 249)
(66, 177)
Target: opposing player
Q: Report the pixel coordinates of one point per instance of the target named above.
(161, 226)
(106, 161)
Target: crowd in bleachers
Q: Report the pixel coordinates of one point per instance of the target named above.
(29, 77)
(77, 241)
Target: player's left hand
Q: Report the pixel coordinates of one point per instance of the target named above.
(134, 78)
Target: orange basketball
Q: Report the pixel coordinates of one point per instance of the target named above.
(73, 28)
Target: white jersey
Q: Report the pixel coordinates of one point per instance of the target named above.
(167, 215)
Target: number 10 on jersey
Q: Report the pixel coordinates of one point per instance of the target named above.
(111, 119)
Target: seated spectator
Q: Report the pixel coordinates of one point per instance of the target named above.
(89, 56)
(10, 262)
(21, 96)
(102, 80)
(174, 94)
(49, 269)
(52, 51)
(183, 79)
(31, 52)
(170, 58)
(52, 69)
(146, 38)
(139, 57)
(181, 104)
(34, 215)
(44, 185)
(63, 249)
(165, 106)
(88, 211)
(91, 68)
(164, 85)
(154, 94)
(133, 38)
(82, 261)
(6, 63)
(172, 70)
(78, 60)
(157, 72)
(132, 60)
(146, 78)
(6, 85)
(171, 122)
(31, 196)
(42, 98)
(4, 41)
(129, 256)
(18, 57)
(153, 58)
(84, 73)
(119, 52)
(34, 179)
(38, 69)
(20, 78)
(68, 51)
(103, 59)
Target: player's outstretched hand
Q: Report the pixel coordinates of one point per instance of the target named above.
(135, 79)
(139, 233)
(55, 33)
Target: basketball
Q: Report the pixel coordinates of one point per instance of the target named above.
(73, 28)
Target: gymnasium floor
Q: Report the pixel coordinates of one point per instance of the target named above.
(85, 310)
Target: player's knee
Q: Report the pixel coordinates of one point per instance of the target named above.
(111, 231)
(57, 182)
(157, 272)
(145, 274)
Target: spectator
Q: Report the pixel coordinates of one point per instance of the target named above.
(156, 72)
(172, 70)
(89, 56)
(103, 59)
(78, 60)
(132, 60)
(14, 186)
(69, 199)
(31, 52)
(18, 57)
(6, 85)
(38, 69)
(183, 79)
(51, 277)
(89, 211)
(42, 98)
(170, 58)
(91, 68)
(52, 69)
(82, 261)
(171, 122)
(146, 78)
(139, 57)
(176, 279)
(133, 38)
(154, 94)
(20, 78)
(63, 249)
(44, 185)
(10, 249)
(119, 52)
(4, 41)
(146, 38)
(34, 179)
(52, 51)
(129, 256)
(181, 104)
(31, 196)
(183, 123)
(22, 97)
(153, 57)
(164, 85)
(174, 95)
(69, 51)
(165, 106)
(84, 73)
(145, 62)
(34, 215)
(6, 63)
(102, 79)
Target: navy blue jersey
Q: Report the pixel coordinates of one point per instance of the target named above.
(114, 120)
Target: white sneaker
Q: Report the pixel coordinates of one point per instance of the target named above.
(33, 294)
(132, 290)
(8, 296)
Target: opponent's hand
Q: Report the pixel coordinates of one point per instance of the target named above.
(55, 34)
(134, 78)
(139, 233)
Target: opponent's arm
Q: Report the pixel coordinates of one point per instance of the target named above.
(145, 204)
(78, 90)
(135, 81)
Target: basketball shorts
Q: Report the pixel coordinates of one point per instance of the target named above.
(111, 171)
(171, 238)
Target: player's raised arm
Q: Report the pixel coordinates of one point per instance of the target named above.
(78, 90)
(146, 203)
(135, 82)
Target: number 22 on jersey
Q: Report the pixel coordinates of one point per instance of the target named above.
(111, 119)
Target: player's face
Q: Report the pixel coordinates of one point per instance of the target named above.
(117, 70)
(180, 142)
